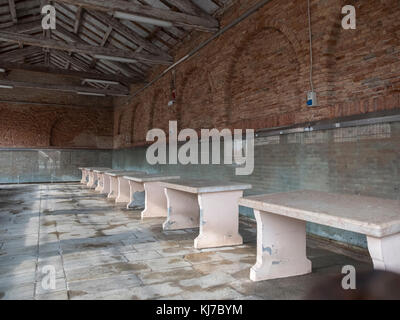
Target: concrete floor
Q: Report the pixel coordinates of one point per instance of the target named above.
(103, 251)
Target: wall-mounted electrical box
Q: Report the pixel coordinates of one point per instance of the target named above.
(312, 99)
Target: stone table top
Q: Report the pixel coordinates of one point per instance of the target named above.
(205, 186)
(150, 178)
(108, 170)
(374, 217)
(119, 174)
(95, 168)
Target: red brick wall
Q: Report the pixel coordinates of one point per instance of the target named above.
(31, 126)
(257, 74)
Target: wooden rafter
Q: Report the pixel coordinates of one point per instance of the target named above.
(82, 48)
(78, 17)
(15, 55)
(62, 88)
(178, 19)
(13, 11)
(79, 74)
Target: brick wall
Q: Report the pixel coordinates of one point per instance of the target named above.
(28, 125)
(31, 118)
(257, 74)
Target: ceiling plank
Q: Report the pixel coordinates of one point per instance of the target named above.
(178, 19)
(62, 88)
(19, 53)
(128, 33)
(188, 6)
(33, 26)
(74, 38)
(102, 44)
(83, 48)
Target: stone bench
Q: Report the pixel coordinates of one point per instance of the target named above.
(93, 177)
(281, 229)
(119, 187)
(103, 185)
(147, 192)
(212, 205)
(85, 175)
(89, 177)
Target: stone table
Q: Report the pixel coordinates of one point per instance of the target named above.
(146, 191)
(212, 205)
(281, 228)
(119, 187)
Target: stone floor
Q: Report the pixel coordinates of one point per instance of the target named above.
(103, 251)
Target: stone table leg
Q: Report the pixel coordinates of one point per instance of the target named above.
(100, 182)
(96, 180)
(136, 195)
(113, 188)
(91, 180)
(123, 191)
(106, 184)
(183, 210)
(385, 252)
(84, 174)
(156, 201)
(281, 248)
(219, 220)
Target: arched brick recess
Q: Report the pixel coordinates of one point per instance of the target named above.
(195, 100)
(66, 131)
(262, 84)
(161, 113)
(142, 121)
(133, 117)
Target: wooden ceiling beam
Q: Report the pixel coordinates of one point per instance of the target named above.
(33, 26)
(62, 88)
(79, 74)
(18, 54)
(83, 48)
(13, 11)
(177, 19)
(78, 17)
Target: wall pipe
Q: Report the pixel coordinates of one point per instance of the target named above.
(331, 125)
(204, 44)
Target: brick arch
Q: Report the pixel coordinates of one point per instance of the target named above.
(161, 113)
(69, 131)
(143, 117)
(195, 94)
(255, 78)
(133, 117)
(154, 102)
(119, 124)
